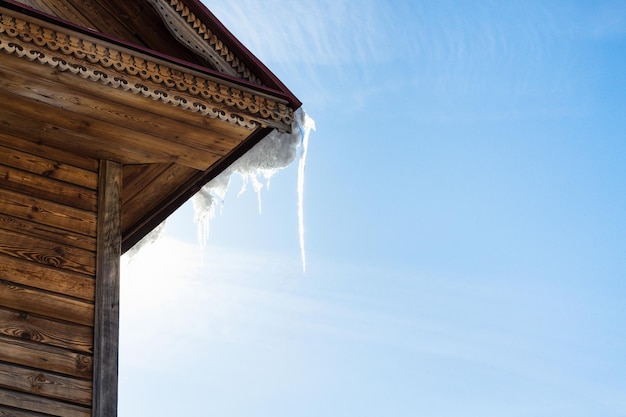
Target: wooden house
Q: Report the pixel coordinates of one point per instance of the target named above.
(112, 114)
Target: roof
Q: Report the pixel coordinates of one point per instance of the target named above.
(160, 86)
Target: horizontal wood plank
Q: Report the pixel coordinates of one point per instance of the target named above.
(41, 251)
(136, 119)
(50, 279)
(46, 188)
(48, 213)
(98, 134)
(45, 304)
(45, 384)
(48, 168)
(47, 406)
(46, 358)
(32, 147)
(22, 325)
(14, 412)
(46, 232)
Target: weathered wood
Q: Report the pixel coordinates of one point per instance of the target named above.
(47, 188)
(45, 304)
(48, 168)
(32, 249)
(48, 213)
(133, 232)
(46, 232)
(51, 153)
(106, 329)
(138, 201)
(164, 113)
(45, 384)
(14, 412)
(26, 326)
(98, 135)
(38, 404)
(138, 177)
(62, 282)
(140, 120)
(74, 141)
(44, 357)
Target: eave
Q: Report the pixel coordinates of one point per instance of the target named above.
(172, 125)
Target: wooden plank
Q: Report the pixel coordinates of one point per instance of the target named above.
(46, 232)
(31, 146)
(139, 120)
(32, 249)
(48, 213)
(139, 201)
(138, 177)
(14, 412)
(133, 232)
(48, 168)
(45, 188)
(45, 384)
(38, 404)
(46, 278)
(103, 135)
(45, 304)
(46, 358)
(85, 88)
(106, 330)
(22, 325)
(67, 139)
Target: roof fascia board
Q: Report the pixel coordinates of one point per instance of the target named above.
(285, 94)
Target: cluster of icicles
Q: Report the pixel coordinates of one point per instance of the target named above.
(273, 153)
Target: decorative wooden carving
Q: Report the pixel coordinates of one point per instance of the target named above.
(136, 73)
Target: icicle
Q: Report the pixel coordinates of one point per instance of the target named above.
(305, 125)
(276, 151)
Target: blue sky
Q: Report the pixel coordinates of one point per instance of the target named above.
(465, 225)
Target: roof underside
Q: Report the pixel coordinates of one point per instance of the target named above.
(159, 86)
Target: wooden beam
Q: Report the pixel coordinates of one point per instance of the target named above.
(106, 330)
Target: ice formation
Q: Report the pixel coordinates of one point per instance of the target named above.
(274, 152)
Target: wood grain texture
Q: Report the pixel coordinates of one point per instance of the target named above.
(26, 326)
(48, 213)
(50, 279)
(53, 234)
(45, 304)
(13, 412)
(48, 168)
(149, 192)
(46, 358)
(100, 136)
(47, 188)
(106, 329)
(140, 120)
(31, 146)
(45, 384)
(37, 404)
(41, 251)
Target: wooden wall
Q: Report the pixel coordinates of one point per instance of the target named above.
(48, 210)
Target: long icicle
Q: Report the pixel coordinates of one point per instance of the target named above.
(305, 125)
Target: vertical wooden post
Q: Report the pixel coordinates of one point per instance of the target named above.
(106, 330)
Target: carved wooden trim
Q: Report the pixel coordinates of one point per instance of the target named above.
(195, 35)
(124, 69)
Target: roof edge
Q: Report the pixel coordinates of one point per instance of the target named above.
(262, 71)
(274, 88)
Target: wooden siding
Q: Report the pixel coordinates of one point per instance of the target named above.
(48, 210)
